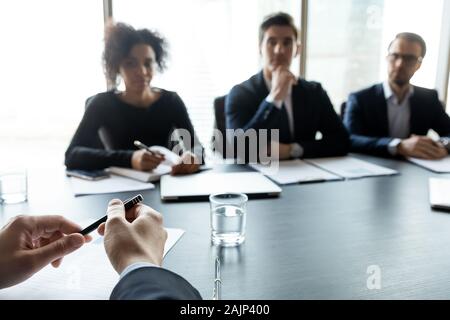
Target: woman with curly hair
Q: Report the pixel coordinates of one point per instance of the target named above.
(113, 120)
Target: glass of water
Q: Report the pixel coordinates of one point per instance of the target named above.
(13, 186)
(228, 218)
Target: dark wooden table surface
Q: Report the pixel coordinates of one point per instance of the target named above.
(316, 241)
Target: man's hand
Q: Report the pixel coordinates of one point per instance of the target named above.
(421, 147)
(282, 81)
(189, 164)
(284, 150)
(143, 160)
(29, 243)
(135, 236)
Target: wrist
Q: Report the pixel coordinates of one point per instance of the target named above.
(120, 266)
(295, 151)
(271, 98)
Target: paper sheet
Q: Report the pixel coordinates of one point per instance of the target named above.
(142, 176)
(351, 168)
(112, 184)
(439, 166)
(84, 274)
(295, 171)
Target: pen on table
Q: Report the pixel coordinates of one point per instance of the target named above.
(217, 282)
(142, 146)
(128, 204)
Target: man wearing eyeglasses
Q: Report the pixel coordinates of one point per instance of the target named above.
(394, 117)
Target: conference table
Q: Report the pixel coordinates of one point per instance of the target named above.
(370, 238)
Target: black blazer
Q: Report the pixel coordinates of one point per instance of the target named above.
(366, 118)
(246, 108)
(152, 283)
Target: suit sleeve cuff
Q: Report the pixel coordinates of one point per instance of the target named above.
(276, 103)
(392, 146)
(136, 265)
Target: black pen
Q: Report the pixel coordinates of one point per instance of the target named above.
(142, 146)
(128, 204)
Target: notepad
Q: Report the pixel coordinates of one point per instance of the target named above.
(113, 184)
(201, 185)
(294, 171)
(438, 166)
(439, 190)
(83, 274)
(351, 168)
(165, 167)
(143, 176)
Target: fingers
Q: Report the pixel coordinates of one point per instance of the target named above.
(101, 229)
(47, 225)
(55, 250)
(184, 168)
(428, 151)
(116, 210)
(150, 161)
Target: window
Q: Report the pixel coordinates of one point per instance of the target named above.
(348, 40)
(213, 45)
(50, 62)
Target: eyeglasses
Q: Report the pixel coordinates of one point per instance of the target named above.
(408, 59)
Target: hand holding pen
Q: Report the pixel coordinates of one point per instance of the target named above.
(145, 159)
(140, 228)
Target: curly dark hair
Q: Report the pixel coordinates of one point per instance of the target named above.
(120, 39)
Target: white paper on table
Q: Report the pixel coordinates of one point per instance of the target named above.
(295, 171)
(112, 184)
(83, 274)
(439, 166)
(351, 168)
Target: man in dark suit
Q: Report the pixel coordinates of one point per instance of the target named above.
(134, 242)
(275, 99)
(394, 117)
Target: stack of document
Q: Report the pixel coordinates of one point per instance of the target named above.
(83, 274)
(351, 168)
(438, 166)
(319, 170)
(295, 171)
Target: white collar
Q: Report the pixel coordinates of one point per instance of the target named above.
(388, 93)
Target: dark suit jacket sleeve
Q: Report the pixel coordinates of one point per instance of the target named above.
(152, 283)
(240, 116)
(335, 139)
(354, 121)
(441, 120)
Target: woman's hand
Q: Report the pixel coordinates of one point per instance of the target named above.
(189, 164)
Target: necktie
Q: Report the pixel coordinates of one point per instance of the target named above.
(285, 133)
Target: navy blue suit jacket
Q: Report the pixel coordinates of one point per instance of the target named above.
(366, 118)
(152, 283)
(246, 108)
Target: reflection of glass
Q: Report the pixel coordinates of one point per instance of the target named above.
(351, 37)
(13, 186)
(228, 218)
(229, 255)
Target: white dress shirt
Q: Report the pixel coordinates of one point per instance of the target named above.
(399, 115)
(289, 109)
